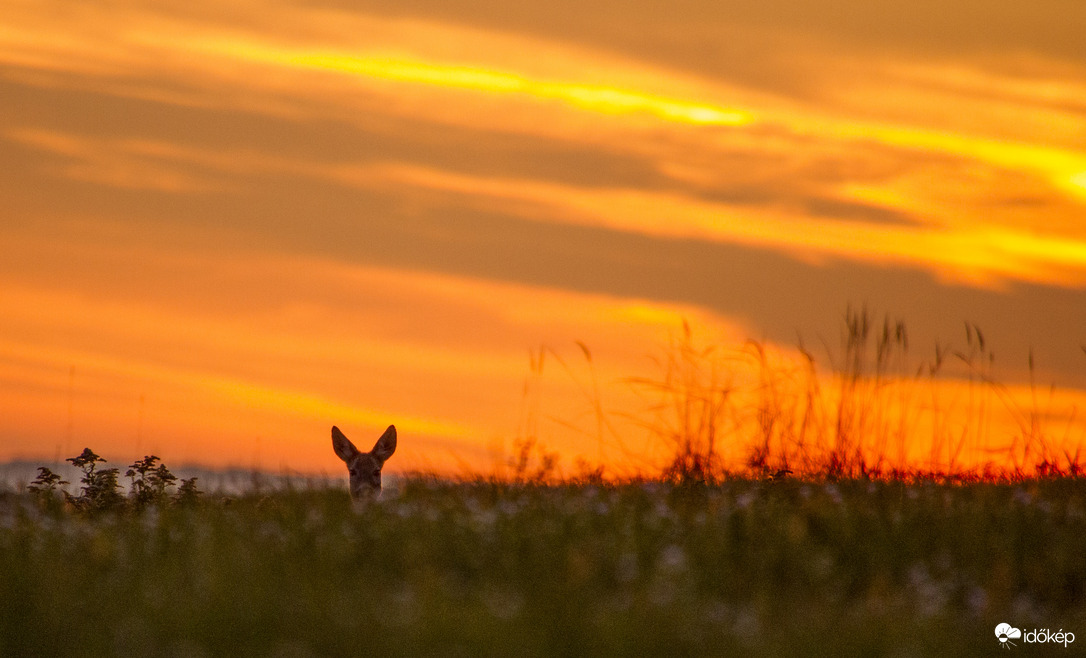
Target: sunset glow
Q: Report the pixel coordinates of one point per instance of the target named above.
(226, 229)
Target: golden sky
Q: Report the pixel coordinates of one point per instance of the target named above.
(226, 228)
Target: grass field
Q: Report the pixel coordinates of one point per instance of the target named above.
(863, 551)
(743, 567)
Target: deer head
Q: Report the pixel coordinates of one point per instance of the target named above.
(365, 467)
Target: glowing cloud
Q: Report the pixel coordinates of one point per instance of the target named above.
(607, 100)
(323, 146)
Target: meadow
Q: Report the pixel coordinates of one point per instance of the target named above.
(483, 567)
(821, 535)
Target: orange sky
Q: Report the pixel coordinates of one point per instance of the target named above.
(227, 228)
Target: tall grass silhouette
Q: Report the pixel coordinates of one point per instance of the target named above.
(867, 409)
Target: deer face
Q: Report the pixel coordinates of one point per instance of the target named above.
(365, 467)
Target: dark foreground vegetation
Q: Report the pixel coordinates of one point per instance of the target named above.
(835, 538)
(739, 567)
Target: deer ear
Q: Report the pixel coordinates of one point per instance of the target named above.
(386, 445)
(342, 445)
